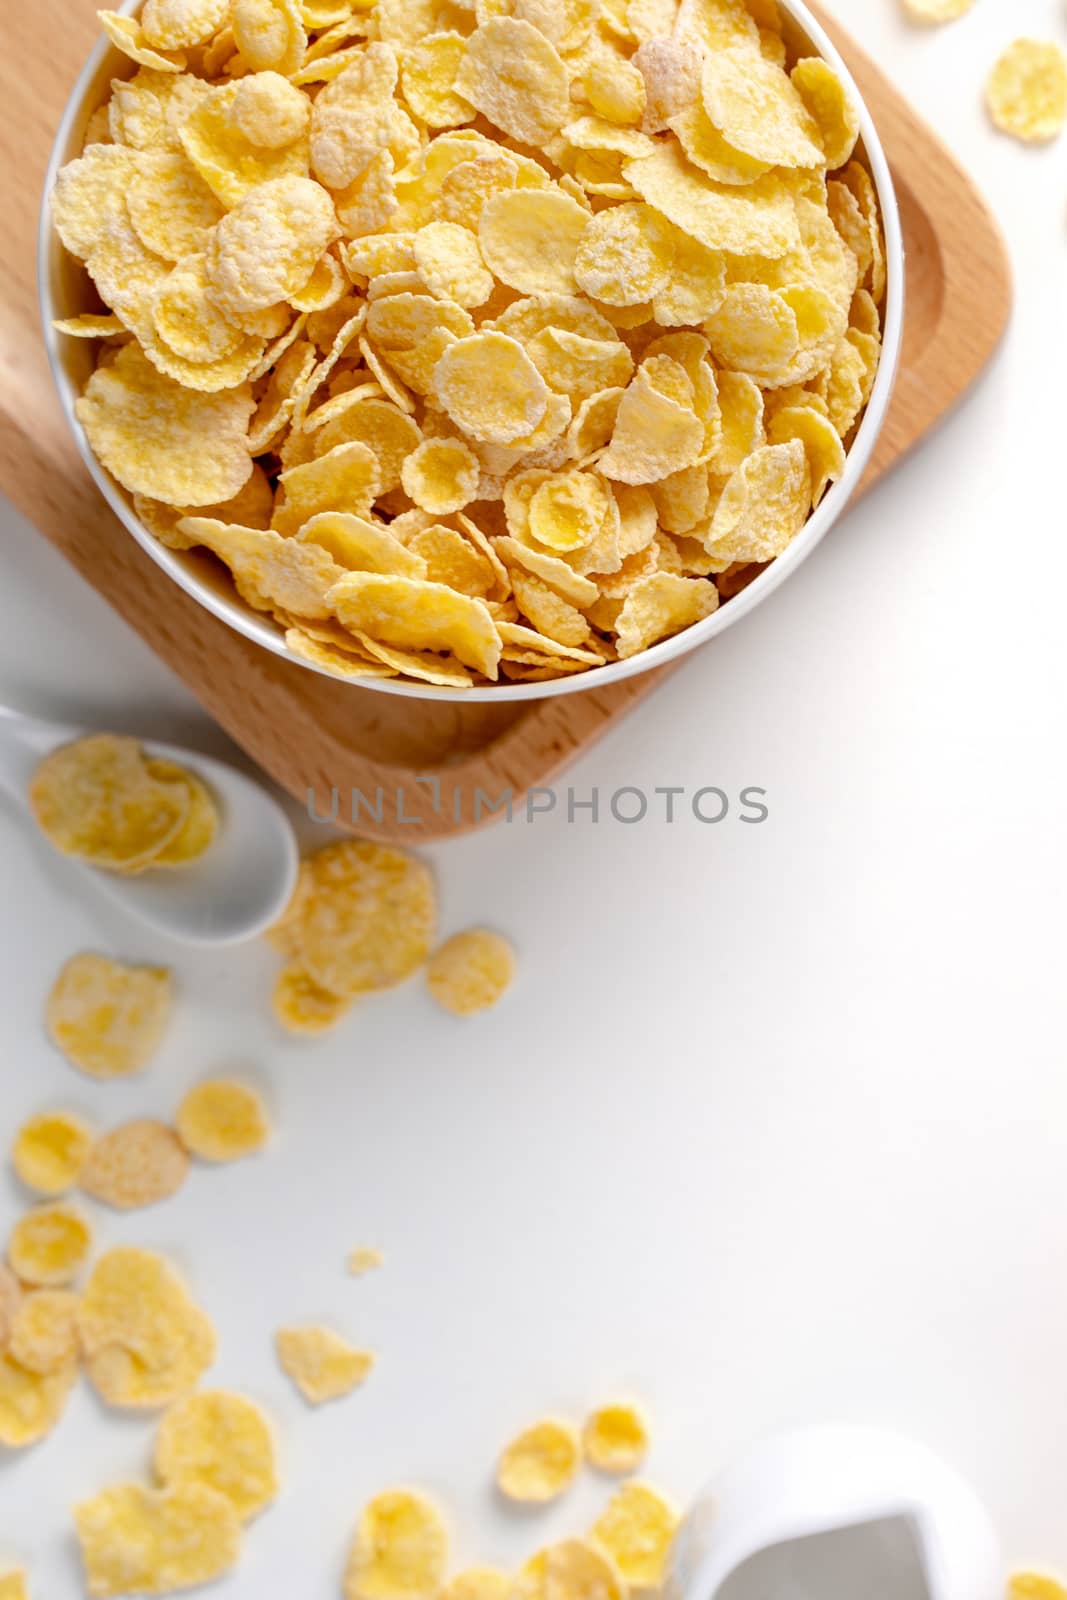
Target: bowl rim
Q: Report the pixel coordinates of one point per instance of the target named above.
(263, 632)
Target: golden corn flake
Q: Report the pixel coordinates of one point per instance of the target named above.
(31, 1403)
(322, 1364)
(127, 35)
(937, 10)
(222, 1120)
(44, 1333)
(269, 34)
(49, 1245)
(821, 441)
(449, 263)
(265, 249)
(758, 219)
(299, 1003)
(50, 1150)
(625, 255)
(145, 1341)
(1027, 91)
(655, 434)
(478, 1583)
(427, 77)
(1035, 1586)
(198, 831)
(13, 1585)
(409, 613)
(155, 1541)
(636, 1530)
(96, 799)
(763, 506)
(570, 1570)
(363, 1259)
(540, 1463)
(162, 440)
(658, 607)
(108, 1019)
(830, 107)
(470, 972)
(441, 475)
(137, 1164)
(615, 1439)
(515, 77)
(10, 1300)
(530, 239)
(400, 1549)
(223, 1441)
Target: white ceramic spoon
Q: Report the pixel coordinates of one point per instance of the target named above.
(239, 887)
(836, 1513)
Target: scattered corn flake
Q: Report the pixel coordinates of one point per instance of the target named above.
(300, 1004)
(322, 1364)
(223, 1441)
(145, 1341)
(222, 1120)
(933, 11)
(155, 1541)
(1035, 1586)
(14, 1586)
(571, 1570)
(478, 1583)
(1027, 92)
(44, 1334)
(363, 1259)
(636, 1529)
(31, 1403)
(107, 1018)
(540, 1463)
(49, 1245)
(615, 1439)
(441, 475)
(530, 238)
(49, 1151)
(400, 1549)
(137, 1164)
(470, 972)
(10, 1300)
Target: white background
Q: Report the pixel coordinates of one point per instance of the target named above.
(772, 1128)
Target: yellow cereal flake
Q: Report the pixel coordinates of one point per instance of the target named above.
(96, 799)
(146, 1343)
(490, 388)
(570, 1570)
(137, 1164)
(13, 1585)
(933, 11)
(303, 1006)
(827, 100)
(478, 1583)
(515, 77)
(44, 1333)
(31, 1403)
(197, 833)
(49, 1245)
(449, 262)
(409, 613)
(763, 506)
(615, 1439)
(470, 972)
(49, 1151)
(222, 1120)
(322, 1364)
(540, 1463)
(660, 606)
(636, 1529)
(155, 1541)
(107, 1018)
(222, 1441)
(441, 475)
(363, 1259)
(10, 1300)
(626, 254)
(1027, 91)
(399, 1551)
(428, 77)
(530, 239)
(1035, 1586)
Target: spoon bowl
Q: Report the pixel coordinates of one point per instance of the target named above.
(237, 889)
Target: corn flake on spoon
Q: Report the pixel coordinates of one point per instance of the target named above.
(235, 890)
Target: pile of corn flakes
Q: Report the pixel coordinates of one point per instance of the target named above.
(479, 339)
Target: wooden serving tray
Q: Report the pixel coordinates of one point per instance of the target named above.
(313, 734)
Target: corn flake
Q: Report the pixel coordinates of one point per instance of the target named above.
(1027, 92)
(107, 1018)
(153, 1541)
(539, 1464)
(830, 108)
(763, 506)
(44, 1333)
(1035, 1586)
(322, 1364)
(13, 1585)
(145, 1341)
(31, 1403)
(399, 1551)
(223, 1441)
(570, 1570)
(222, 1120)
(636, 1530)
(269, 34)
(515, 77)
(96, 799)
(137, 1164)
(49, 1151)
(470, 972)
(48, 1245)
(530, 239)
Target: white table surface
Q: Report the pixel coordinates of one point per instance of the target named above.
(773, 1126)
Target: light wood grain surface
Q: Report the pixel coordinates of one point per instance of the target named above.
(312, 734)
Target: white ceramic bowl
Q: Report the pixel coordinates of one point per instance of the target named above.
(62, 287)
